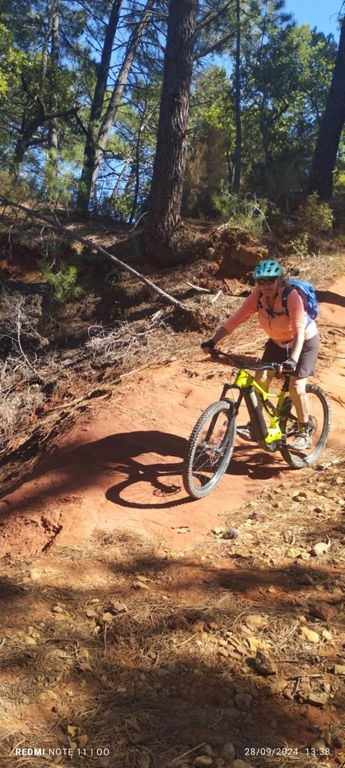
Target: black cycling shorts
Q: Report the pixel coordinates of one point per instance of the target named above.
(307, 361)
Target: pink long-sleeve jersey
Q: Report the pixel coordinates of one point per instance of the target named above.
(279, 326)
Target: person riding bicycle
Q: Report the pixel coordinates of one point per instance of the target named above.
(293, 338)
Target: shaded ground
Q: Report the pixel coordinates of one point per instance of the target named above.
(132, 623)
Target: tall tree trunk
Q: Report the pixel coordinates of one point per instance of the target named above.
(238, 152)
(97, 107)
(116, 96)
(170, 159)
(325, 154)
(53, 125)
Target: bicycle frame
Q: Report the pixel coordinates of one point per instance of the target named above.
(268, 436)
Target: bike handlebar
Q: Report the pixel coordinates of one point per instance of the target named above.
(244, 362)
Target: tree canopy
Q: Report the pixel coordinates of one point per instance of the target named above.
(84, 90)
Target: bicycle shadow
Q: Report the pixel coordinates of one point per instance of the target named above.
(160, 482)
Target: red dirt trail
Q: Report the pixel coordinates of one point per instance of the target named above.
(119, 469)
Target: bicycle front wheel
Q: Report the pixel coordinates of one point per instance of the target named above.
(318, 430)
(209, 449)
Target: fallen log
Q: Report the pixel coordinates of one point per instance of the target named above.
(56, 224)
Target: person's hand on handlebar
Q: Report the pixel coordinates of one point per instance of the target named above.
(289, 366)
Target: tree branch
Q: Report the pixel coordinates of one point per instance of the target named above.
(72, 236)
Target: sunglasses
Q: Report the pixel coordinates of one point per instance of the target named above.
(266, 281)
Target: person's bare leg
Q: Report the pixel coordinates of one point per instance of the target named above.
(299, 398)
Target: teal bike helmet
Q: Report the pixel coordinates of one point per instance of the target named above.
(267, 268)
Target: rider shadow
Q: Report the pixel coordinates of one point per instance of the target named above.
(161, 481)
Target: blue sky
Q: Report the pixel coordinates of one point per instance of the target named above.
(317, 13)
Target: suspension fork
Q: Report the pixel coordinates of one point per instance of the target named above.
(235, 405)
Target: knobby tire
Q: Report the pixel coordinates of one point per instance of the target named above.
(192, 472)
(302, 461)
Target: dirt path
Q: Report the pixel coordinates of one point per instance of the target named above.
(125, 643)
(120, 468)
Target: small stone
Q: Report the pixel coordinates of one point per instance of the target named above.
(228, 752)
(320, 548)
(117, 607)
(264, 665)
(231, 533)
(275, 687)
(243, 701)
(309, 635)
(107, 617)
(203, 761)
(304, 555)
(57, 609)
(30, 640)
(326, 634)
(48, 695)
(322, 611)
(256, 621)
(91, 614)
(339, 669)
(318, 699)
(294, 552)
(138, 584)
(36, 574)
(218, 530)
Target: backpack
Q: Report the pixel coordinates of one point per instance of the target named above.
(307, 293)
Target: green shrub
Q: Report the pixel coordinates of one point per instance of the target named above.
(245, 213)
(64, 282)
(315, 217)
(301, 245)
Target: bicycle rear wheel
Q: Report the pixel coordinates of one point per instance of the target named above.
(318, 430)
(209, 449)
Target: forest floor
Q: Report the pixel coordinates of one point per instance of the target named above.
(141, 629)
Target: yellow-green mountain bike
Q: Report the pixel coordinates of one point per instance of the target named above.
(273, 427)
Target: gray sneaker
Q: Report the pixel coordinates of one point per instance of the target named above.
(301, 443)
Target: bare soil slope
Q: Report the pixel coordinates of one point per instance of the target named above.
(134, 626)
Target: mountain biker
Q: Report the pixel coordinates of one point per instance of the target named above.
(293, 339)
